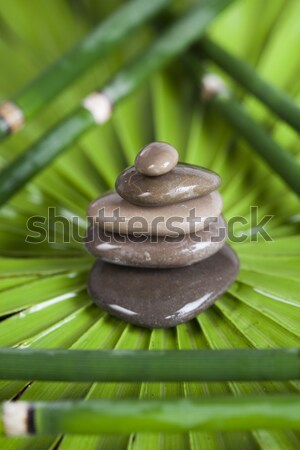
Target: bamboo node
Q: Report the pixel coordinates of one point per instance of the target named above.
(15, 418)
(212, 85)
(99, 105)
(12, 115)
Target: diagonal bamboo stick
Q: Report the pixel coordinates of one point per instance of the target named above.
(63, 72)
(278, 101)
(126, 416)
(280, 160)
(215, 93)
(97, 107)
(122, 366)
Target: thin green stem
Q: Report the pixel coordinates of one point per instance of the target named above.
(188, 28)
(280, 160)
(278, 101)
(22, 169)
(178, 415)
(172, 43)
(89, 51)
(185, 365)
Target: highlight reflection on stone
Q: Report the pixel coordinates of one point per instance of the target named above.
(159, 252)
(161, 238)
(183, 183)
(155, 298)
(156, 159)
(156, 220)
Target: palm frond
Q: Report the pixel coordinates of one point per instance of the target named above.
(43, 300)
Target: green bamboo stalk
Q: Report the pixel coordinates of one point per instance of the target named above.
(280, 160)
(128, 416)
(218, 96)
(16, 174)
(173, 42)
(278, 101)
(90, 50)
(121, 366)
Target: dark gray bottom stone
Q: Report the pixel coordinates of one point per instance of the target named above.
(154, 298)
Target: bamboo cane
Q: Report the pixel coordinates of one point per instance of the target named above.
(278, 101)
(127, 416)
(280, 160)
(97, 107)
(215, 93)
(63, 72)
(133, 366)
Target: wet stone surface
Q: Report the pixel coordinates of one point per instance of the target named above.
(159, 252)
(161, 240)
(162, 298)
(107, 209)
(183, 183)
(157, 158)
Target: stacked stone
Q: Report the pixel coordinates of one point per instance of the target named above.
(161, 240)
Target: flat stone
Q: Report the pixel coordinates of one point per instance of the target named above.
(155, 298)
(156, 251)
(156, 159)
(115, 214)
(183, 183)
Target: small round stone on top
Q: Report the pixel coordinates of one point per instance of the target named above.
(156, 159)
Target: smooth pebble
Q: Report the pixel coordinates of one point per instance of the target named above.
(157, 252)
(183, 183)
(155, 298)
(157, 158)
(115, 214)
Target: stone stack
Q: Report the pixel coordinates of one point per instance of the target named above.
(161, 240)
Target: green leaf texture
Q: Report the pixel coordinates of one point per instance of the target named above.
(43, 298)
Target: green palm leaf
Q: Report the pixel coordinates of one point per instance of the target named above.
(43, 301)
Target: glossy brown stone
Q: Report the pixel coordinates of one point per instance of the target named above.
(115, 214)
(157, 252)
(156, 159)
(155, 298)
(183, 183)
